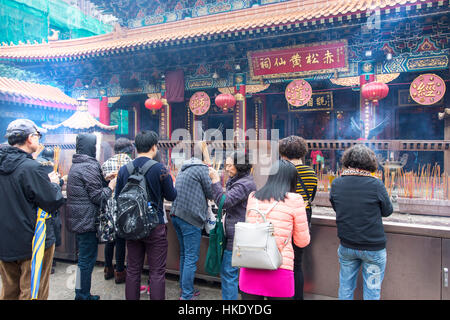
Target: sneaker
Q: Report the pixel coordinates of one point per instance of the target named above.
(196, 293)
(145, 289)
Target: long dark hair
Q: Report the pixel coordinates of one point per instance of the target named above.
(282, 179)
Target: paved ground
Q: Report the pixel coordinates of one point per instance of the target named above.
(62, 286)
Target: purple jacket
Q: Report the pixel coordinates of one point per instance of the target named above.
(237, 191)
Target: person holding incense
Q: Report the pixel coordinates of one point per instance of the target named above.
(49, 163)
(238, 188)
(123, 149)
(24, 187)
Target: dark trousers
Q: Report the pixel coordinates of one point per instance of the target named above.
(155, 246)
(298, 257)
(298, 272)
(87, 256)
(119, 243)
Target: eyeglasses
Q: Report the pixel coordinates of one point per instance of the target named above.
(38, 134)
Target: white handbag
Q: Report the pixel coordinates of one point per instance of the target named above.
(254, 245)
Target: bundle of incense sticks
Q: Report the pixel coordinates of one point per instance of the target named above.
(428, 183)
(56, 154)
(205, 151)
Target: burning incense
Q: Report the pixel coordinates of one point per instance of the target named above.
(56, 154)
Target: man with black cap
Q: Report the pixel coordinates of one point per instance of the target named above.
(24, 187)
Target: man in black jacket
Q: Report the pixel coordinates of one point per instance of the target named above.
(24, 187)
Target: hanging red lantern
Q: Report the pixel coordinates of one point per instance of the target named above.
(225, 101)
(374, 91)
(153, 104)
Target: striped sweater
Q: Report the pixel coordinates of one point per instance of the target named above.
(309, 179)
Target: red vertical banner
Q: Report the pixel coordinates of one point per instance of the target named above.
(240, 112)
(163, 122)
(104, 114)
(163, 118)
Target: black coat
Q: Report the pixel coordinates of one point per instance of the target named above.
(360, 203)
(86, 190)
(24, 186)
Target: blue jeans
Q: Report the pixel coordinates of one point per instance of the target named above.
(229, 277)
(189, 237)
(373, 266)
(87, 256)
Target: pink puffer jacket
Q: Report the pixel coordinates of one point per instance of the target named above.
(289, 220)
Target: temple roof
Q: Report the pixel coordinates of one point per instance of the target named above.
(36, 94)
(81, 120)
(275, 16)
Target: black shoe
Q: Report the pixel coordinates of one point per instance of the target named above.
(91, 297)
(109, 273)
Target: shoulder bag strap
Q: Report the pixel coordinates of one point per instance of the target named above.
(219, 211)
(306, 191)
(130, 168)
(263, 215)
(150, 163)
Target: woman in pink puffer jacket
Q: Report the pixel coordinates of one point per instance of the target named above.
(289, 219)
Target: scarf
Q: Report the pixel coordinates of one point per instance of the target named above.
(357, 172)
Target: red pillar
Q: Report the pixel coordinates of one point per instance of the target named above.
(104, 115)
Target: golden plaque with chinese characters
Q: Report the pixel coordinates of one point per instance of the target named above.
(199, 103)
(427, 89)
(298, 92)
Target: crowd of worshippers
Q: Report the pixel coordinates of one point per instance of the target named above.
(93, 198)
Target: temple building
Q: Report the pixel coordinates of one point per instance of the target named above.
(297, 66)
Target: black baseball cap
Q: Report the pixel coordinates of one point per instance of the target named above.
(23, 126)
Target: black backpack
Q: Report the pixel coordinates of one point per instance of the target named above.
(136, 215)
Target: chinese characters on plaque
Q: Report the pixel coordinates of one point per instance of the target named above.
(299, 60)
(320, 101)
(199, 103)
(427, 89)
(298, 92)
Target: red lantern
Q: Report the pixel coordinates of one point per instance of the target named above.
(153, 104)
(225, 101)
(374, 91)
